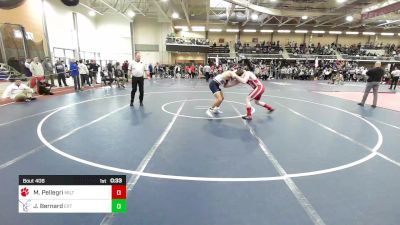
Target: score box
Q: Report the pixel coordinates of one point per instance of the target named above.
(72, 194)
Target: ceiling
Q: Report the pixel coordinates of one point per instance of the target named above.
(368, 15)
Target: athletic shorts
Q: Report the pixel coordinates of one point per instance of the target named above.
(257, 93)
(214, 86)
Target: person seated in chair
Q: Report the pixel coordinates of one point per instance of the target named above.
(44, 88)
(18, 92)
(106, 78)
(120, 78)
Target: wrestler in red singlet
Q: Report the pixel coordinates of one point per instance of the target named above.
(258, 89)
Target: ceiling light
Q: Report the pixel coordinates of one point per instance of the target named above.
(254, 16)
(318, 32)
(131, 14)
(232, 30)
(349, 18)
(215, 30)
(198, 28)
(283, 31)
(249, 30)
(266, 31)
(368, 33)
(273, 0)
(175, 15)
(387, 34)
(352, 32)
(304, 17)
(340, 1)
(301, 31)
(92, 13)
(335, 32)
(183, 28)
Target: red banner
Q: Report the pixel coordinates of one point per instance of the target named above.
(381, 11)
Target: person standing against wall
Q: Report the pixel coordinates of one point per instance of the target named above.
(48, 71)
(74, 72)
(84, 72)
(60, 70)
(37, 72)
(93, 71)
(137, 70)
(374, 78)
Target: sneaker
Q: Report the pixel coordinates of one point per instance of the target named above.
(210, 112)
(360, 104)
(141, 104)
(131, 104)
(33, 98)
(247, 117)
(373, 106)
(271, 110)
(27, 100)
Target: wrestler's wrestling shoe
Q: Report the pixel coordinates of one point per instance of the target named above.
(210, 112)
(247, 117)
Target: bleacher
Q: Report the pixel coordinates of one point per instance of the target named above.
(272, 50)
(219, 49)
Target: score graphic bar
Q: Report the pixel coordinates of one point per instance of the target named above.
(72, 194)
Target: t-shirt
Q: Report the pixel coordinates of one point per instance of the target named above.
(137, 69)
(396, 73)
(375, 74)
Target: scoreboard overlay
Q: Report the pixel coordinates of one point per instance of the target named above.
(72, 194)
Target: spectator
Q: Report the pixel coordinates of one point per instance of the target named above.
(37, 72)
(119, 75)
(84, 72)
(60, 70)
(18, 92)
(27, 65)
(395, 78)
(374, 77)
(93, 71)
(192, 70)
(125, 67)
(74, 71)
(48, 70)
(44, 88)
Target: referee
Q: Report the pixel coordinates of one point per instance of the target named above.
(137, 69)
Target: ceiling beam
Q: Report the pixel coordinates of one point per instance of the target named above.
(306, 21)
(185, 11)
(267, 20)
(330, 20)
(390, 22)
(137, 9)
(247, 17)
(282, 23)
(278, 12)
(338, 25)
(115, 9)
(161, 10)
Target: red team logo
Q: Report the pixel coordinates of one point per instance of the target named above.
(24, 192)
